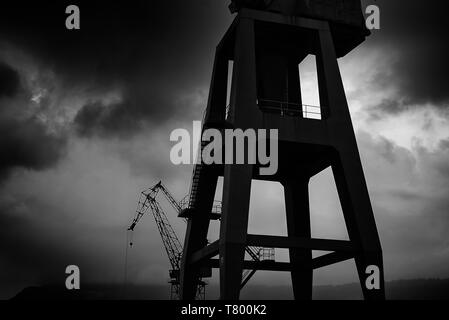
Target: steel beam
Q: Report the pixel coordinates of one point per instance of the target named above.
(299, 243)
(205, 253)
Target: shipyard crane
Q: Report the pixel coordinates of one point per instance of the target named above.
(148, 202)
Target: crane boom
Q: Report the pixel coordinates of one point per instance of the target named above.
(172, 245)
(170, 198)
(170, 240)
(143, 204)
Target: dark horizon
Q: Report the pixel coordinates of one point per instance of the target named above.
(417, 289)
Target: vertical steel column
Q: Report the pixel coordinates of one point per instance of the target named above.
(237, 178)
(347, 167)
(198, 225)
(298, 225)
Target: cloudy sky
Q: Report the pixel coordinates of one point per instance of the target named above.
(85, 119)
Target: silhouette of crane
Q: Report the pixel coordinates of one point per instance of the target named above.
(148, 201)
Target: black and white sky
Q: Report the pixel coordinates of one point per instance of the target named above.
(85, 119)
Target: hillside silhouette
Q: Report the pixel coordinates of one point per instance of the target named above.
(419, 289)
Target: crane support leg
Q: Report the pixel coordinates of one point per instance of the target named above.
(298, 225)
(196, 235)
(233, 228)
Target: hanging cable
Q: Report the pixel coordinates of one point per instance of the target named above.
(129, 236)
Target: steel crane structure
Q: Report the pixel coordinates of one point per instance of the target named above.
(266, 43)
(148, 202)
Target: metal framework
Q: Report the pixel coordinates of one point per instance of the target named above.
(147, 201)
(172, 245)
(266, 47)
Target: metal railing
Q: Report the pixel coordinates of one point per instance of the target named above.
(228, 112)
(315, 112)
(185, 203)
(290, 109)
(266, 254)
(284, 108)
(217, 207)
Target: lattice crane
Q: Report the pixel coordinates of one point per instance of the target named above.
(172, 245)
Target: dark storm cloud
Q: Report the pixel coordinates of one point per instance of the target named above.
(9, 81)
(25, 141)
(413, 37)
(409, 197)
(145, 54)
(388, 150)
(138, 108)
(149, 50)
(390, 106)
(444, 144)
(28, 144)
(118, 119)
(108, 43)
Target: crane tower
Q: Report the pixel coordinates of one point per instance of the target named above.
(266, 42)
